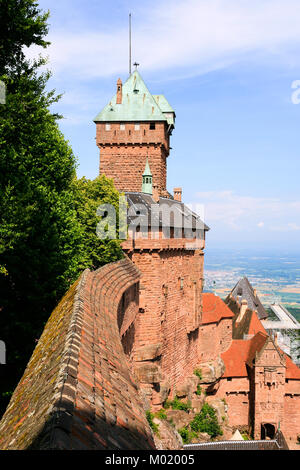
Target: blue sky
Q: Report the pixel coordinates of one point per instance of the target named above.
(227, 68)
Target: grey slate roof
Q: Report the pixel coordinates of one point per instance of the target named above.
(166, 213)
(244, 290)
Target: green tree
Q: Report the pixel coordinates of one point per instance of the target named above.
(206, 421)
(89, 195)
(21, 24)
(47, 218)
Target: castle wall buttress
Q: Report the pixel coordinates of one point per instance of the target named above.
(170, 309)
(235, 391)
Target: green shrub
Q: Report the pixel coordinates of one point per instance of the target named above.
(161, 414)
(177, 404)
(198, 373)
(152, 425)
(206, 421)
(171, 422)
(199, 390)
(185, 435)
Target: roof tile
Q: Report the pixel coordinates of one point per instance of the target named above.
(214, 309)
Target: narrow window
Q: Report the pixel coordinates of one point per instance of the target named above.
(152, 126)
(122, 127)
(136, 127)
(107, 127)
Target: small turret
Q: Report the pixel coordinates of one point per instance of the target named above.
(119, 92)
(147, 179)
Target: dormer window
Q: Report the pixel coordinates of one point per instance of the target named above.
(152, 126)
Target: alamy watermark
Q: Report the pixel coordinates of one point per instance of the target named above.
(2, 93)
(151, 221)
(2, 353)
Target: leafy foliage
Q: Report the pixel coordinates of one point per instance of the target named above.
(186, 434)
(177, 404)
(88, 196)
(47, 217)
(198, 373)
(161, 414)
(153, 426)
(206, 421)
(21, 24)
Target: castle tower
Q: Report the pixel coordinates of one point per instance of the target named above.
(147, 180)
(133, 126)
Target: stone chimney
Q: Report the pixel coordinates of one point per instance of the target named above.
(155, 193)
(244, 307)
(177, 194)
(119, 91)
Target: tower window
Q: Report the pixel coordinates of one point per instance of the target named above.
(152, 126)
(136, 127)
(107, 127)
(122, 127)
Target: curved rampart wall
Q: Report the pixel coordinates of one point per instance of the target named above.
(77, 391)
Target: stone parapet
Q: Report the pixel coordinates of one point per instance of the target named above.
(77, 391)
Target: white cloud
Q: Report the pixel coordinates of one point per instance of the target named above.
(290, 227)
(242, 212)
(198, 35)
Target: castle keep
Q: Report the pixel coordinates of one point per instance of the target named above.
(130, 335)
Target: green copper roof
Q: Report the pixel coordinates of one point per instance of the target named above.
(165, 108)
(137, 104)
(147, 171)
(147, 179)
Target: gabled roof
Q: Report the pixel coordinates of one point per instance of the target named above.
(258, 343)
(170, 213)
(244, 290)
(255, 325)
(292, 371)
(240, 353)
(214, 309)
(137, 104)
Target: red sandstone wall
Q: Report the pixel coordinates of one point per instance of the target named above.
(290, 425)
(123, 154)
(208, 342)
(170, 299)
(214, 339)
(236, 394)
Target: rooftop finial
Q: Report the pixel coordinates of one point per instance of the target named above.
(129, 44)
(136, 65)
